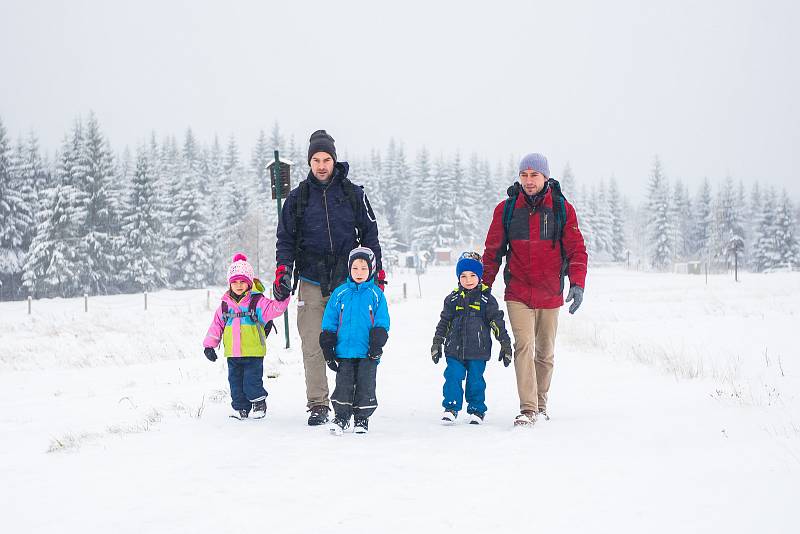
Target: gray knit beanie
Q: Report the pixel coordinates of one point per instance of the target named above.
(535, 162)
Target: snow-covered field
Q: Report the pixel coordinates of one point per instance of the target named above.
(675, 409)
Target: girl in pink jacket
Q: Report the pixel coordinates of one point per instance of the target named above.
(239, 323)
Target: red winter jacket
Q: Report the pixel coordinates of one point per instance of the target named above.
(533, 267)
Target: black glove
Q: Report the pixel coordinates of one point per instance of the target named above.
(436, 348)
(327, 341)
(377, 339)
(211, 354)
(505, 353)
(575, 294)
(282, 287)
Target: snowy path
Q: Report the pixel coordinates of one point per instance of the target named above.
(629, 449)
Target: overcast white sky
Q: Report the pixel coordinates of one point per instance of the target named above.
(712, 87)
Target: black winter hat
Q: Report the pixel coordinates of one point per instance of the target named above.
(320, 141)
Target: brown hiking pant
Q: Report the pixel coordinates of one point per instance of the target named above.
(534, 334)
(310, 308)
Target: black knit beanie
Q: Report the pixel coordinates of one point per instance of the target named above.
(320, 141)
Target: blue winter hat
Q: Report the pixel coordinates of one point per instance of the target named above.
(535, 162)
(469, 261)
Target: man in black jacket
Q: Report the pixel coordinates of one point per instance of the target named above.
(324, 218)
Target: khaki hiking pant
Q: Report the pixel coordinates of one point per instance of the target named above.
(310, 308)
(534, 341)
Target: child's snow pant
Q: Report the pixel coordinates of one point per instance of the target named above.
(355, 388)
(454, 394)
(246, 378)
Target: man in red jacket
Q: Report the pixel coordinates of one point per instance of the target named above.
(544, 244)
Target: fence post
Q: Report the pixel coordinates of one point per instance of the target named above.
(208, 299)
(86, 302)
(145, 301)
(29, 304)
(405, 292)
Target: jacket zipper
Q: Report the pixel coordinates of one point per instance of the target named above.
(327, 218)
(464, 328)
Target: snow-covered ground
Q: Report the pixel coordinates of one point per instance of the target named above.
(675, 409)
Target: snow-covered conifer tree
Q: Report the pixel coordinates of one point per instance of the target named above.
(659, 223)
(728, 233)
(786, 234)
(617, 209)
(143, 248)
(98, 244)
(193, 259)
(766, 253)
(15, 220)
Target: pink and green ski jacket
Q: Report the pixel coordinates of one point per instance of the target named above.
(240, 335)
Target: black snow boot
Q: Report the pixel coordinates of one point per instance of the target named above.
(338, 426)
(319, 415)
(259, 409)
(361, 425)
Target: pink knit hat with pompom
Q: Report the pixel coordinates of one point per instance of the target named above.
(240, 269)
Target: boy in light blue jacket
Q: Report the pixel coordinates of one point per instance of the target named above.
(355, 328)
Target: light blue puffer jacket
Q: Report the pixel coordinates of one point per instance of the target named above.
(352, 311)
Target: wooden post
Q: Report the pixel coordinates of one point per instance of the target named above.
(405, 292)
(85, 302)
(208, 299)
(145, 301)
(29, 304)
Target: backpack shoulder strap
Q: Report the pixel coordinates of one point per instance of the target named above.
(299, 212)
(300, 208)
(269, 326)
(559, 209)
(349, 189)
(251, 309)
(560, 212)
(508, 213)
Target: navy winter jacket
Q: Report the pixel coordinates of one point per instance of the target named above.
(352, 311)
(466, 322)
(328, 231)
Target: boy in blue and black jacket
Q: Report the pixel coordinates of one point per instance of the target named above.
(470, 314)
(355, 328)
